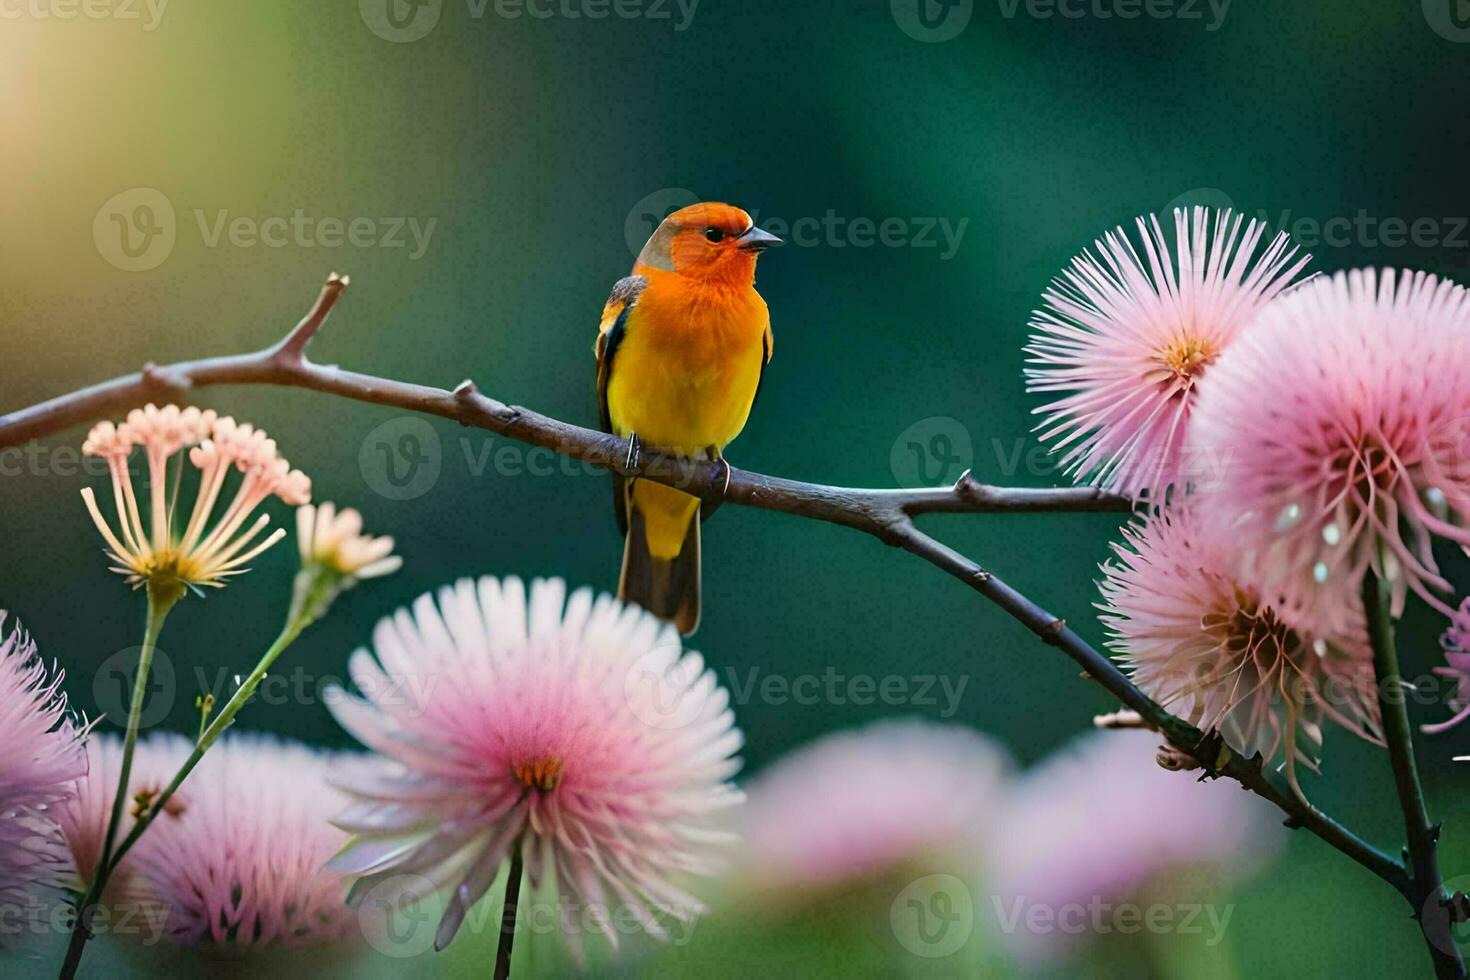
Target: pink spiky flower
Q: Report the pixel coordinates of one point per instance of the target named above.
(1455, 642)
(236, 860)
(1207, 644)
(891, 796)
(1125, 340)
(1100, 822)
(573, 730)
(242, 865)
(148, 544)
(1340, 421)
(42, 758)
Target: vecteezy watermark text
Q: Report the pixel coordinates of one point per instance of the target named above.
(149, 12)
(404, 21)
(1098, 916)
(136, 230)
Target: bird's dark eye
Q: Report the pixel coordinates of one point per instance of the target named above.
(714, 234)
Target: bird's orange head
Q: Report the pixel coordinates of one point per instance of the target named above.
(707, 241)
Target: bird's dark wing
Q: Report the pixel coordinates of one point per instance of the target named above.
(609, 335)
(768, 347)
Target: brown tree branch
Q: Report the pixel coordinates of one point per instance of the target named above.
(886, 514)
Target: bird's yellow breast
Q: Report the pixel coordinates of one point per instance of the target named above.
(686, 371)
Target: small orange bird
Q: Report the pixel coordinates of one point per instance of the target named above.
(680, 352)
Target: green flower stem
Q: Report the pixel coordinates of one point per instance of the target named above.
(1426, 887)
(315, 589)
(162, 596)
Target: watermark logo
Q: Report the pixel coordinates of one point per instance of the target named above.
(1198, 197)
(112, 688)
(932, 21)
(400, 21)
(1180, 10)
(934, 916)
(1450, 19)
(663, 689)
(135, 230)
(828, 230)
(932, 452)
(650, 211)
(401, 459)
(395, 918)
(1098, 916)
(149, 12)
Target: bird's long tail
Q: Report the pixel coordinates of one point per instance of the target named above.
(661, 554)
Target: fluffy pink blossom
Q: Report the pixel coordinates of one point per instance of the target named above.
(856, 804)
(243, 862)
(1340, 423)
(1100, 820)
(236, 861)
(1456, 644)
(1125, 339)
(573, 729)
(42, 758)
(1204, 642)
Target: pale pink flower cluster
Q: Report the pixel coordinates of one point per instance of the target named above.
(1125, 339)
(571, 729)
(1204, 641)
(147, 543)
(237, 859)
(41, 758)
(334, 540)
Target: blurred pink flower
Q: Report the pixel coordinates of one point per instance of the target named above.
(1127, 338)
(1341, 420)
(1202, 641)
(881, 798)
(1456, 644)
(241, 864)
(1100, 820)
(83, 817)
(42, 758)
(572, 728)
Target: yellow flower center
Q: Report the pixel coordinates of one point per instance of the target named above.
(1186, 356)
(542, 773)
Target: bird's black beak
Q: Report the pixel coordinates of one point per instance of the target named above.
(756, 240)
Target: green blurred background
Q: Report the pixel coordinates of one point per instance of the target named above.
(537, 148)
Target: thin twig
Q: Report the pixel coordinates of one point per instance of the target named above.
(1426, 894)
(885, 514)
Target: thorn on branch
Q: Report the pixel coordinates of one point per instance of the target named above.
(153, 377)
(967, 487)
(465, 390)
(1052, 631)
